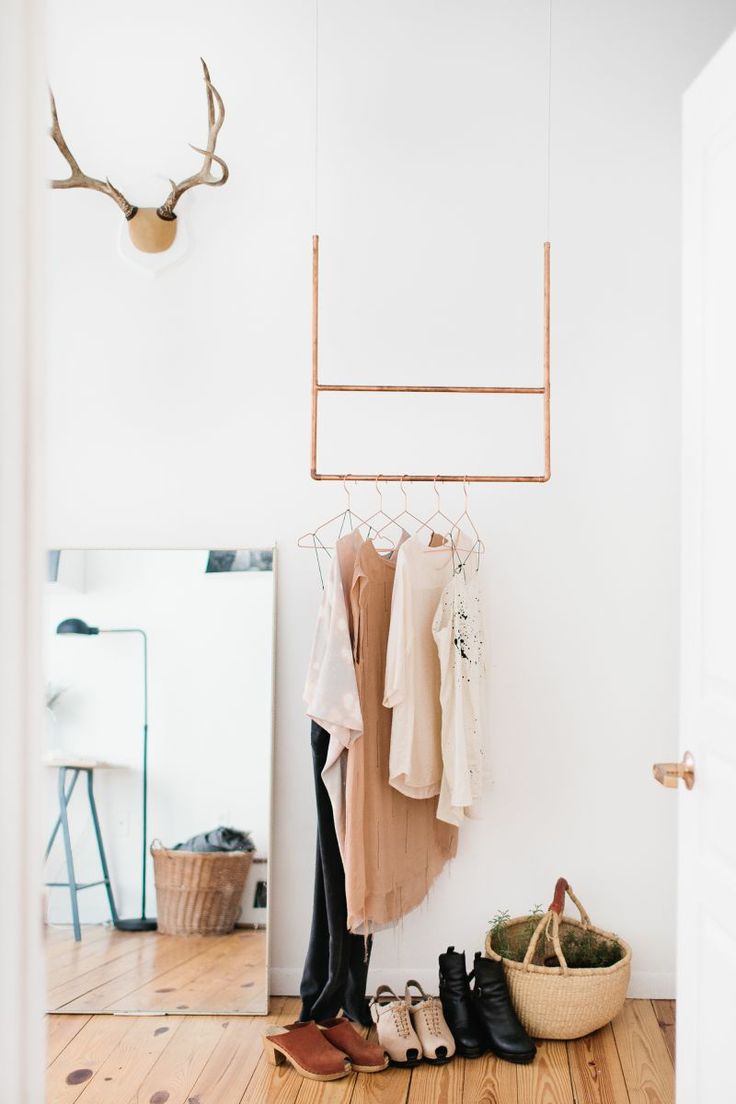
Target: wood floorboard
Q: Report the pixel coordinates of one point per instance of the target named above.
(105, 1059)
(126, 1068)
(180, 986)
(146, 960)
(71, 974)
(64, 954)
(173, 1074)
(149, 972)
(436, 1084)
(62, 1030)
(643, 1053)
(597, 1077)
(231, 1065)
(547, 1079)
(60, 937)
(99, 990)
(665, 1013)
(78, 1064)
(389, 1087)
(490, 1081)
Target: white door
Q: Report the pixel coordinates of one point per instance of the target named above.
(706, 1010)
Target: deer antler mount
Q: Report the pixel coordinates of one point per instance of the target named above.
(152, 229)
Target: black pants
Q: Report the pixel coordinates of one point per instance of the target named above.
(336, 966)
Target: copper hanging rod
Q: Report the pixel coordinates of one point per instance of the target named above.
(431, 478)
(318, 387)
(431, 390)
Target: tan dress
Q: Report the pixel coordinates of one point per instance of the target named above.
(394, 845)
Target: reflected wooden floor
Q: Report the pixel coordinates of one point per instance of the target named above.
(114, 972)
(219, 1060)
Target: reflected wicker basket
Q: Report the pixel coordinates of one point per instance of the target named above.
(199, 893)
(555, 1001)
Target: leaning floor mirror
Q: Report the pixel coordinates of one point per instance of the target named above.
(159, 696)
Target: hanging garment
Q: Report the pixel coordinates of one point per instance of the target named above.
(331, 690)
(394, 845)
(458, 632)
(336, 966)
(412, 686)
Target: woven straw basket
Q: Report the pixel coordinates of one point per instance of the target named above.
(199, 893)
(557, 1002)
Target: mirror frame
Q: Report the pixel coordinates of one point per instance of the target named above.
(241, 545)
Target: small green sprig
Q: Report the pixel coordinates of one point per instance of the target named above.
(583, 950)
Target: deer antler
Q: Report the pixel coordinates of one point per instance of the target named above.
(78, 179)
(204, 176)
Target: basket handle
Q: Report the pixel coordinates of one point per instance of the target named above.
(551, 920)
(558, 901)
(156, 845)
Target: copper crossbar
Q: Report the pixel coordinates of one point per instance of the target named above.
(318, 387)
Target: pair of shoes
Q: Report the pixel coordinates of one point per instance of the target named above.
(412, 1027)
(483, 1018)
(324, 1051)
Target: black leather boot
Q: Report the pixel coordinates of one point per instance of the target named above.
(457, 1004)
(494, 1013)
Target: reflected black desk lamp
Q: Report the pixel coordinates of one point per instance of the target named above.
(74, 626)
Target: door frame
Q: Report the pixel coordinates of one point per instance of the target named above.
(23, 115)
(709, 120)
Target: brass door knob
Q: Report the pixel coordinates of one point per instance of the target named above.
(669, 774)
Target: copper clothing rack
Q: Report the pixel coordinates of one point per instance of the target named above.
(318, 388)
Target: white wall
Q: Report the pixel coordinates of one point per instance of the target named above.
(210, 649)
(178, 407)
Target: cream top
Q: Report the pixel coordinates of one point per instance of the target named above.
(412, 686)
(331, 690)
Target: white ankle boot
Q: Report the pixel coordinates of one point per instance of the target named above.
(395, 1031)
(430, 1025)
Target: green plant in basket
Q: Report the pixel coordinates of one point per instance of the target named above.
(583, 949)
(515, 948)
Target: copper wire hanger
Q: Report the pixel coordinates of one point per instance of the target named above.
(312, 541)
(439, 513)
(478, 546)
(405, 512)
(380, 514)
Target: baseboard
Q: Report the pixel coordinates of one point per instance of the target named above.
(651, 986)
(285, 981)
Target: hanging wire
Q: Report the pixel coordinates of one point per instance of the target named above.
(324, 548)
(549, 116)
(316, 117)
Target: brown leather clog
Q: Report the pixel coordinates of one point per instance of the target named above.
(308, 1049)
(365, 1057)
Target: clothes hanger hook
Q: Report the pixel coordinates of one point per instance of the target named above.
(379, 493)
(403, 491)
(346, 490)
(465, 491)
(434, 484)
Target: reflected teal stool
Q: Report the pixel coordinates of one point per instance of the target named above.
(76, 766)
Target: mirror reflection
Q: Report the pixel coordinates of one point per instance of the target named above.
(158, 753)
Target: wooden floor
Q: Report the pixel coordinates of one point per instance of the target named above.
(219, 1060)
(112, 971)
